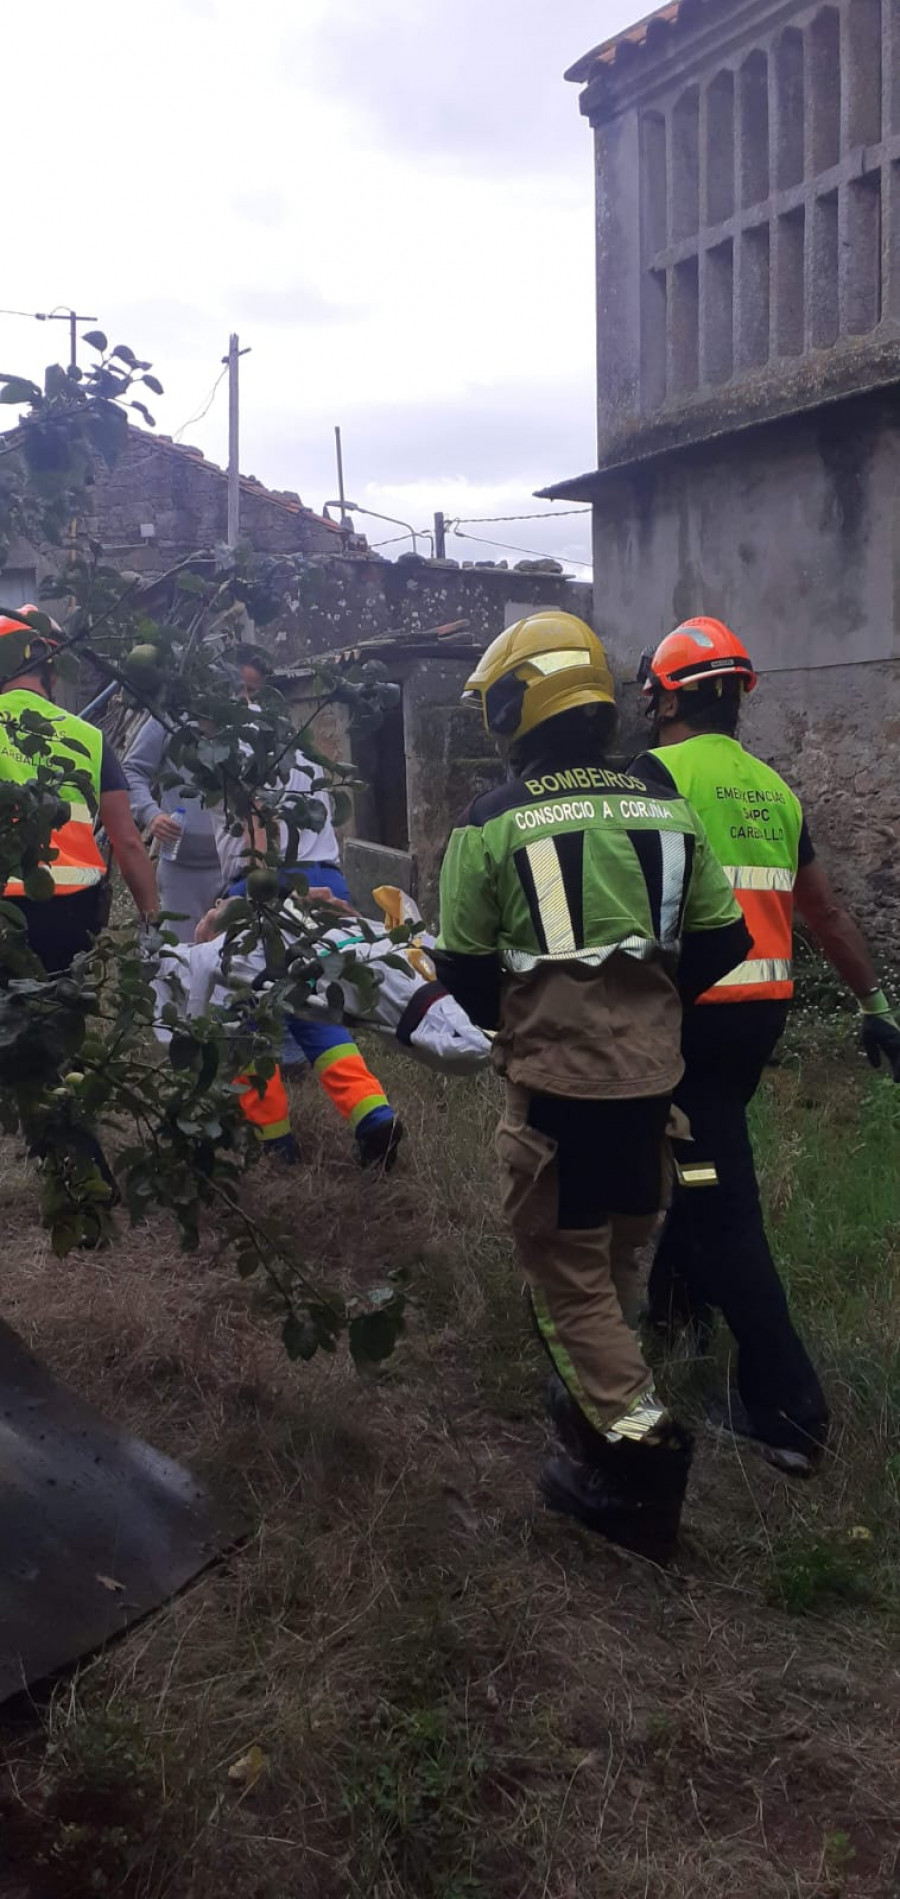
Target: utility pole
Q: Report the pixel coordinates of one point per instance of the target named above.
(66, 316)
(340, 468)
(234, 437)
(440, 538)
(346, 524)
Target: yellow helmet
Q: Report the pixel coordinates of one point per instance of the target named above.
(541, 666)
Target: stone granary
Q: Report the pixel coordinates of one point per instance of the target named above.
(748, 390)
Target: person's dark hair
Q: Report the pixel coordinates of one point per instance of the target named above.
(578, 736)
(255, 657)
(41, 669)
(713, 709)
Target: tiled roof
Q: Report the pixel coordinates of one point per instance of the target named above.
(606, 54)
(290, 503)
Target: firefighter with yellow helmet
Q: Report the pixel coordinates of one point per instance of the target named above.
(578, 909)
(714, 1251)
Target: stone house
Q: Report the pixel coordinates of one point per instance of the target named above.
(747, 157)
(162, 502)
(426, 622)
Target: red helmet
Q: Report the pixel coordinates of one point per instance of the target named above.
(23, 619)
(697, 653)
(31, 646)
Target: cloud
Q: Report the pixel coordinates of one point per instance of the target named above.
(296, 303)
(483, 454)
(266, 206)
(457, 88)
(512, 433)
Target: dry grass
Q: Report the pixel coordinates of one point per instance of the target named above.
(458, 1697)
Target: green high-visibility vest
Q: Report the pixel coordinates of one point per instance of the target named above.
(753, 821)
(575, 864)
(76, 745)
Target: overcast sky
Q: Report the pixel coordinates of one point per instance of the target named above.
(390, 200)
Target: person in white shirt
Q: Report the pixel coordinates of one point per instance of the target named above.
(330, 1051)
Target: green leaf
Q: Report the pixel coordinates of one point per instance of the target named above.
(125, 355)
(39, 885)
(373, 1335)
(42, 623)
(209, 1068)
(95, 338)
(56, 380)
(108, 431)
(299, 1337)
(144, 411)
(153, 382)
(18, 389)
(66, 667)
(182, 1052)
(65, 1234)
(343, 807)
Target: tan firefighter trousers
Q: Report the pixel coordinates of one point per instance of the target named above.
(585, 1285)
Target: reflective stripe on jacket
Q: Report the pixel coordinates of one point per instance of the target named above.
(77, 862)
(753, 821)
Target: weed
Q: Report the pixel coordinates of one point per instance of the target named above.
(838, 1854)
(458, 1696)
(814, 1573)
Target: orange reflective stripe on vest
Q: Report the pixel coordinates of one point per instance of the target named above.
(78, 862)
(77, 746)
(766, 897)
(754, 822)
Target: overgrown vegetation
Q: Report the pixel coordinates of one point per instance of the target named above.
(111, 1113)
(454, 1695)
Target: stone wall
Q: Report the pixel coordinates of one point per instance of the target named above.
(430, 759)
(183, 498)
(341, 602)
(790, 533)
(835, 734)
(449, 761)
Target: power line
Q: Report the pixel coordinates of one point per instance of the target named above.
(508, 547)
(490, 520)
(206, 407)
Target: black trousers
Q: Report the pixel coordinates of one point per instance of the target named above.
(609, 1156)
(714, 1250)
(61, 928)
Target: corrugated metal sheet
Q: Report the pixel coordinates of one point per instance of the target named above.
(636, 35)
(96, 1528)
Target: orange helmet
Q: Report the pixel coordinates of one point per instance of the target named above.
(31, 646)
(697, 653)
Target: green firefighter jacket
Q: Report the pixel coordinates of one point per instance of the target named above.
(575, 903)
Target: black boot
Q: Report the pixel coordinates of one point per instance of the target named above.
(377, 1146)
(631, 1493)
(796, 1449)
(575, 1434)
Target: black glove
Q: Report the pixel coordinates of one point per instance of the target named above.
(881, 1041)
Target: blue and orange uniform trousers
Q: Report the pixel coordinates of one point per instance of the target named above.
(331, 1053)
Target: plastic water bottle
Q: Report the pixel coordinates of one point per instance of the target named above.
(170, 851)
